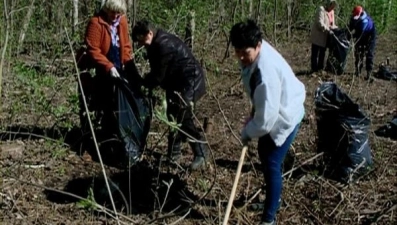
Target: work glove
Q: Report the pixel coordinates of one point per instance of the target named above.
(114, 73)
(245, 139)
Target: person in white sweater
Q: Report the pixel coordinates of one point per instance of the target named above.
(277, 97)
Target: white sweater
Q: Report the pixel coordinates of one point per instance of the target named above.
(276, 94)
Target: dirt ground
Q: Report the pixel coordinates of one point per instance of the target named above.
(40, 154)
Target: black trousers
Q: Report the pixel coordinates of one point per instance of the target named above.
(317, 58)
(365, 47)
(182, 114)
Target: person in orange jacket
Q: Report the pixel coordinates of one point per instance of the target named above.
(109, 52)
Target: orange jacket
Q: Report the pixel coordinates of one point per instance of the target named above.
(98, 41)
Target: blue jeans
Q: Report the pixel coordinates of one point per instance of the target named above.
(272, 158)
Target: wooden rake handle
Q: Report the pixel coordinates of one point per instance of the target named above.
(233, 193)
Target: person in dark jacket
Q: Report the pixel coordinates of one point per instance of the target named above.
(365, 38)
(174, 68)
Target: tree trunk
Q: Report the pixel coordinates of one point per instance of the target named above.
(3, 54)
(275, 22)
(289, 12)
(75, 15)
(25, 26)
(258, 11)
(134, 6)
(251, 6)
(242, 9)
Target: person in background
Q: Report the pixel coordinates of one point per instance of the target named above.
(174, 68)
(278, 99)
(364, 33)
(323, 24)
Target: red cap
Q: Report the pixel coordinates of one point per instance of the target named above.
(357, 12)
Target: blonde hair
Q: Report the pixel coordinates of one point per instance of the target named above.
(118, 6)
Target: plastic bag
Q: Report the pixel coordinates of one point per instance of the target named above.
(342, 129)
(339, 46)
(133, 118)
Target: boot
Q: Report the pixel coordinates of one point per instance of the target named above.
(369, 76)
(174, 148)
(200, 155)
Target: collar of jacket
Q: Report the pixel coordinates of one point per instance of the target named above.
(363, 16)
(101, 19)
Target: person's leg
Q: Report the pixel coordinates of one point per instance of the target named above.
(321, 58)
(272, 158)
(174, 136)
(359, 51)
(369, 61)
(314, 58)
(199, 149)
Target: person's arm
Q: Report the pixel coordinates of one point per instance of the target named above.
(158, 72)
(267, 97)
(127, 46)
(93, 42)
(334, 26)
(321, 18)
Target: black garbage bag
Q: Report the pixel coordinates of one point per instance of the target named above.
(120, 113)
(342, 129)
(133, 118)
(339, 46)
(388, 130)
(386, 73)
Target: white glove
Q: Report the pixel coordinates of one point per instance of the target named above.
(114, 73)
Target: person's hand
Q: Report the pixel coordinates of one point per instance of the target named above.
(245, 139)
(247, 120)
(114, 73)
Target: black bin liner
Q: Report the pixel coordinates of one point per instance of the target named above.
(121, 116)
(133, 118)
(339, 46)
(386, 73)
(342, 129)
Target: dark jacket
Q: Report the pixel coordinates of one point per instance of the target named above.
(174, 67)
(364, 27)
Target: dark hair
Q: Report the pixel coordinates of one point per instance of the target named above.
(245, 34)
(141, 28)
